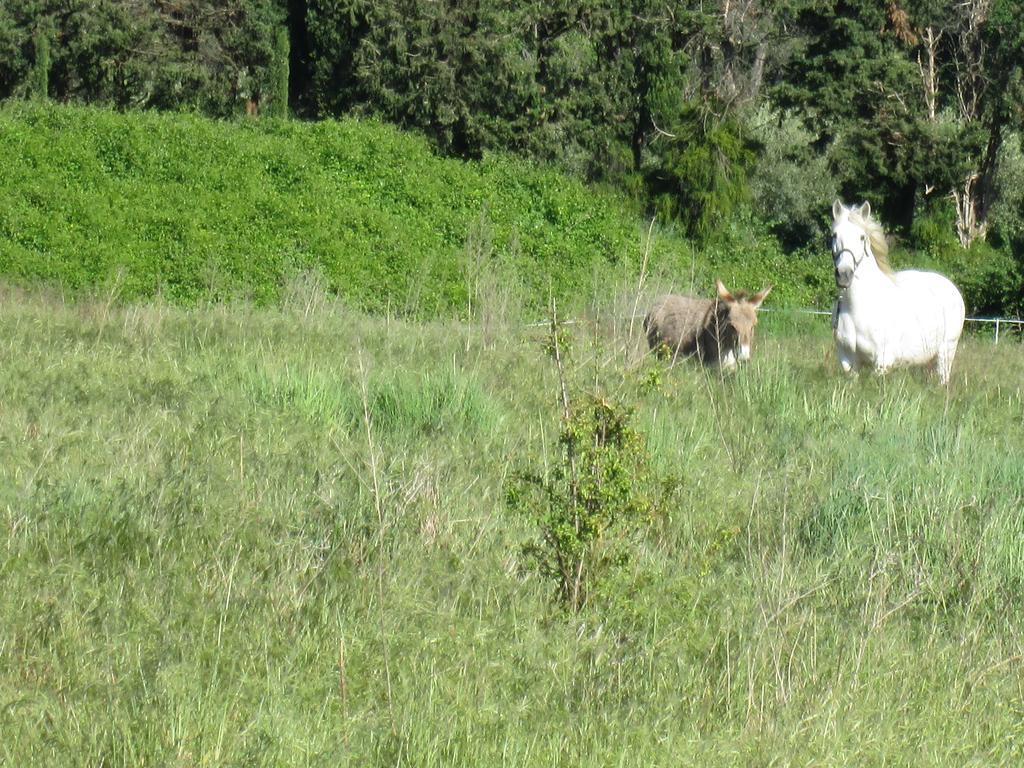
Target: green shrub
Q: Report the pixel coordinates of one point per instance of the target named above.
(791, 185)
(934, 230)
(590, 502)
(1006, 216)
(590, 505)
(198, 210)
(279, 74)
(39, 80)
(988, 277)
(746, 257)
(701, 172)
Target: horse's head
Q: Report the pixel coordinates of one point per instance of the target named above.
(736, 318)
(856, 238)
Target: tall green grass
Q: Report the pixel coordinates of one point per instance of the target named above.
(243, 536)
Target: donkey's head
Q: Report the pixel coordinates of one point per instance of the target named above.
(735, 318)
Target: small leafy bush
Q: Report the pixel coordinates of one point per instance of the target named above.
(988, 278)
(590, 506)
(600, 492)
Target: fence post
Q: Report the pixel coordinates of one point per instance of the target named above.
(997, 330)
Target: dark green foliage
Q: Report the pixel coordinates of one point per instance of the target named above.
(575, 84)
(1006, 216)
(14, 61)
(856, 87)
(279, 74)
(585, 86)
(455, 71)
(39, 81)
(1003, 37)
(701, 176)
(210, 55)
(791, 185)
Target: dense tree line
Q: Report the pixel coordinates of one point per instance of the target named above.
(214, 56)
(700, 108)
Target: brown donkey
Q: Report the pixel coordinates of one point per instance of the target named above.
(718, 331)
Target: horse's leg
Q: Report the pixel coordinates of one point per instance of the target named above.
(944, 361)
(884, 360)
(847, 361)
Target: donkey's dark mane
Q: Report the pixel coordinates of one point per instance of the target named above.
(741, 295)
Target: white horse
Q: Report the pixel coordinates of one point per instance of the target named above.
(881, 318)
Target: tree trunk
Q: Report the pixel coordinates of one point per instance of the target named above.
(970, 220)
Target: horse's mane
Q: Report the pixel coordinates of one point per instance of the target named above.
(879, 246)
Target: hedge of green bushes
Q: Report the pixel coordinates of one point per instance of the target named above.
(194, 209)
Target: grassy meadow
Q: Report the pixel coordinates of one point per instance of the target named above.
(278, 536)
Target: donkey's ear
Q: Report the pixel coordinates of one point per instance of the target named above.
(865, 209)
(837, 208)
(760, 296)
(723, 292)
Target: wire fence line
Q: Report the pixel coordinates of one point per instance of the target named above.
(998, 322)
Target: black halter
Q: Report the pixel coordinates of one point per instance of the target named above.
(844, 278)
(837, 255)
